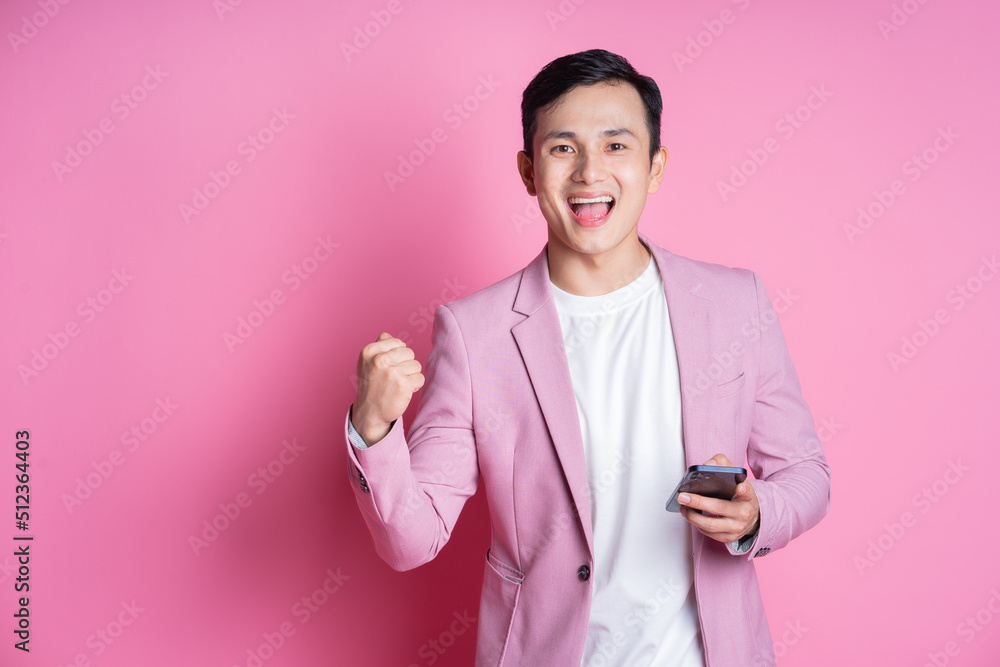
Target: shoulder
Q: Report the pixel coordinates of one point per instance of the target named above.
(493, 307)
(488, 300)
(708, 280)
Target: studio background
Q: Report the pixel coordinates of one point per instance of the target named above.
(209, 208)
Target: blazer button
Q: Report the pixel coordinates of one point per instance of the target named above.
(583, 572)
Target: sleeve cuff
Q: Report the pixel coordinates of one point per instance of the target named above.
(353, 434)
(355, 437)
(745, 543)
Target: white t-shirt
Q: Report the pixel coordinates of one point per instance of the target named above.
(623, 366)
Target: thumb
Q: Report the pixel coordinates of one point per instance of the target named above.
(744, 491)
(383, 336)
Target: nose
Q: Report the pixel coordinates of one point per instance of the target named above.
(590, 167)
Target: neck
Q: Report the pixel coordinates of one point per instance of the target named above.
(599, 274)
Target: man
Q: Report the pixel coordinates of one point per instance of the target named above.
(577, 391)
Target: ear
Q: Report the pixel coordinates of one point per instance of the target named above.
(527, 172)
(656, 169)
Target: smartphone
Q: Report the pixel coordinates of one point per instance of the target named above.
(711, 481)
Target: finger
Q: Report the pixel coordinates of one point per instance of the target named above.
(409, 368)
(720, 460)
(382, 346)
(710, 526)
(704, 503)
(720, 528)
(418, 381)
(400, 354)
(386, 341)
(727, 520)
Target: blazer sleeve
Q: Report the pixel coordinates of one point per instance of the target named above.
(793, 476)
(412, 489)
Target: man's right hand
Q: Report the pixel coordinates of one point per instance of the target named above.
(388, 376)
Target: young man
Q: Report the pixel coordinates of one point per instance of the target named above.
(577, 391)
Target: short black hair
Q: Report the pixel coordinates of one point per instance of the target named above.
(584, 69)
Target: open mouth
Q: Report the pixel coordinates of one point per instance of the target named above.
(591, 210)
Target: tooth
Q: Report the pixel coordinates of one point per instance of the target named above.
(590, 200)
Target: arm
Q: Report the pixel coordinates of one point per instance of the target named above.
(792, 490)
(411, 490)
(793, 476)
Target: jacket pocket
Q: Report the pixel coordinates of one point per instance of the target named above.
(731, 387)
(730, 427)
(497, 606)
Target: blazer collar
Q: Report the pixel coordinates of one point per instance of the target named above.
(536, 287)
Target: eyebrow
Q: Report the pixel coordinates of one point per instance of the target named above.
(610, 132)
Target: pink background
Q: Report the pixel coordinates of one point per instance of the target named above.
(889, 577)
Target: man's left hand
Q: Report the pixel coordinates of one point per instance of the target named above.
(733, 518)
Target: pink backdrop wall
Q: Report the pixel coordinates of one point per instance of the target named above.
(198, 236)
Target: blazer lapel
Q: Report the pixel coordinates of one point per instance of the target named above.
(691, 323)
(539, 339)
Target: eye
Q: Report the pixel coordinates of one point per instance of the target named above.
(562, 148)
(617, 147)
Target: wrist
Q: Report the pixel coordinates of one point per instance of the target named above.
(752, 532)
(371, 436)
(369, 428)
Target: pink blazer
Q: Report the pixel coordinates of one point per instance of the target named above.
(497, 410)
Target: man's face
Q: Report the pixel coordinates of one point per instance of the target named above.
(591, 171)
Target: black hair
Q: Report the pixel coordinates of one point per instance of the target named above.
(584, 69)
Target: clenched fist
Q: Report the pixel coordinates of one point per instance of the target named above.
(388, 376)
